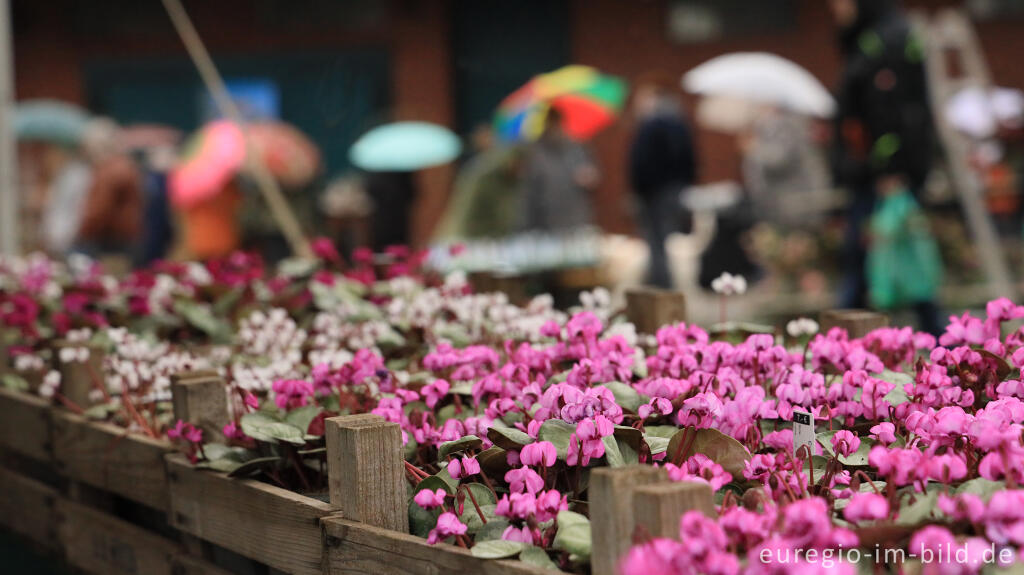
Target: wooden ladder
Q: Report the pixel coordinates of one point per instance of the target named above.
(955, 61)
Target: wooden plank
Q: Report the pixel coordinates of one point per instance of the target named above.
(366, 472)
(651, 308)
(263, 522)
(27, 508)
(658, 507)
(78, 379)
(107, 457)
(25, 425)
(856, 322)
(353, 547)
(102, 544)
(201, 400)
(188, 565)
(610, 498)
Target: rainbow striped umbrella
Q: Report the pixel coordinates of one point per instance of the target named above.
(588, 100)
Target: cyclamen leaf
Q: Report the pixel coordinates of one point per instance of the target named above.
(508, 437)
(618, 453)
(717, 446)
(421, 520)
(253, 465)
(301, 417)
(537, 557)
(492, 530)
(981, 487)
(262, 427)
(573, 534)
(558, 433)
(625, 395)
(497, 549)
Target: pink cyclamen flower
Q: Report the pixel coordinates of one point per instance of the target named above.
(884, 433)
(866, 507)
(251, 401)
(540, 453)
(428, 499)
(524, 479)
(658, 405)
(845, 443)
(186, 431)
(462, 468)
(448, 524)
(433, 392)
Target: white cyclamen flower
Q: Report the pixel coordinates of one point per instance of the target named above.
(728, 284)
(802, 326)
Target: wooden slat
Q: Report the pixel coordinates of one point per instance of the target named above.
(108, 457)
(649, 308)
(856, 322)
(25, 425)
(102, 544)
(265, 523)
(610, 498)
(658, 507)
(27, 508)
(364, 467)
(353, 547)
(187, 565)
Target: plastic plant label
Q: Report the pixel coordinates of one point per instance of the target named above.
(803, 433)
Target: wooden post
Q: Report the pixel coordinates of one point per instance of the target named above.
(856, 322)
(366, 472)
(651, 308)
(202, 400)
(78, 378)
(611, 512)
(657, 508)
(9, 200)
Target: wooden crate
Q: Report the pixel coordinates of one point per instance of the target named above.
(27, 507)
(102, 544)
(25, 425)
(262, 522)
(353, 547)
(107, 457)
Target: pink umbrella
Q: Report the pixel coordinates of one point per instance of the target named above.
(210, 159)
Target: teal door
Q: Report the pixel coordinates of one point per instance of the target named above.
(498, 46)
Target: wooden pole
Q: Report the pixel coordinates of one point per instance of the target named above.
(657, 508)
(365, 470)
(201, 400)
(77, 377)
(651, 308)
(856, 322)
(9, 204)
(279, 207)
(610, 501)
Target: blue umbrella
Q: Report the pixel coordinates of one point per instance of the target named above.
(405, 147)
(49, 121)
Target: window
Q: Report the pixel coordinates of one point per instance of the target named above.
(691, 21)
(992, 9)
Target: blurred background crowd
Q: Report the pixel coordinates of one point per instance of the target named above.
(840, 152)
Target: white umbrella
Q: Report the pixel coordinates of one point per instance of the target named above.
(764, 78)
(978, 112)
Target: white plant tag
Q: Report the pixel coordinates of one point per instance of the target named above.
(803, 432)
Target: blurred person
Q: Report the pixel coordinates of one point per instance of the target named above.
(783, 170)
(112, 211)
(158, 227)
(662, 163)
(487, 194)
(558, 181)
(392, 194)
(883, 127)
(71, 178)
(211, 227)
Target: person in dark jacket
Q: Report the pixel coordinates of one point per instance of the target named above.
(661, 164)
(884, 134)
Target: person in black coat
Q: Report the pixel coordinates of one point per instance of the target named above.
(884, 131)
(661, 164)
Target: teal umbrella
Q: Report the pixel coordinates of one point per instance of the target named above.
(49, 121)
(405, 147)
